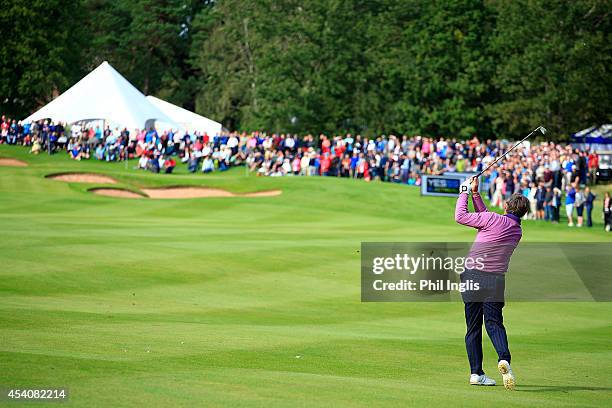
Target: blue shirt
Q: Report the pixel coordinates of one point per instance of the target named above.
(571, 197)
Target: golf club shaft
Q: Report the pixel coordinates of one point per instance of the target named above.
(504, 155)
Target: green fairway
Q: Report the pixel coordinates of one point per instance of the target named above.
(256, 301)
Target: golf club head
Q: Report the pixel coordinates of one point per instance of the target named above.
(542, 130)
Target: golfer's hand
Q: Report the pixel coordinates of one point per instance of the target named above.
(474, 181)
(466, 186)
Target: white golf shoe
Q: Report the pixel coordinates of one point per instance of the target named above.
(476, 379)
(504, 368)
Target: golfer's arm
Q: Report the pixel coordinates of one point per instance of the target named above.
(479, 205)
(462, 216)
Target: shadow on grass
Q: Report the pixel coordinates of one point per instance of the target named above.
(558, 388)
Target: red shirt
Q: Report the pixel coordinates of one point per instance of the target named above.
(325, 164)
(593, 161)
(325, 146)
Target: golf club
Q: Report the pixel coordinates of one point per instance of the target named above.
(541, 129)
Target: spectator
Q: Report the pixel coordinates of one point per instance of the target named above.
(607, 210)
(153, 165)
(532, 191)
(325, 164)
(169, 165)
(143, 162)
(570, 199)
(498, 193)
(100, 152)
(556, 204)
(541, 172)
(12, 132)
(593, 161)
(540, 199)
(588, 203)
(74, 150)
(548, 204)
(36, 146)
(579, 205)
(4, 129)
(208, 165)
(509, 184)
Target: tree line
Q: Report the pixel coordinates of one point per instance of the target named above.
(452, 68)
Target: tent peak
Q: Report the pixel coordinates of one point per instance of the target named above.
(102, 94)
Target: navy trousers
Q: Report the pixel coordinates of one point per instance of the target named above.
(494, 323)
(486, 304)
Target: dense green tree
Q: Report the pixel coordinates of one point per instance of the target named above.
(451, 68)
(554, 60)
(223, 53)
(146, 40)
(312, 63)
(437, 66)
(283, 65)
(40, 47)
(364, 66)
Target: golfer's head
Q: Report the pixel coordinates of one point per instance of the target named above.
(517, 205)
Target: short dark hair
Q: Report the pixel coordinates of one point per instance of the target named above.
(517, 205)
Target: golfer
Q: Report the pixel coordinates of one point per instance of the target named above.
(497, 237)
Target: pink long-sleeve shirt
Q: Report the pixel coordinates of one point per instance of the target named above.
(497, 237)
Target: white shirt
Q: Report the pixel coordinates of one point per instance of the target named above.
(142, 163)
(76, 131)
(232, 142)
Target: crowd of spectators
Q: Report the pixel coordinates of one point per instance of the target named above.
(548, 174)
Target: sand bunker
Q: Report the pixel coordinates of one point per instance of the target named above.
(185, 192)
(116, 192)
(267, 193)
(201, 192)
(82, 178)
(178, 192)
(12, 162)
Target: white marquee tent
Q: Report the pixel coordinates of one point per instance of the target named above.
(103, 94)
(186, 119)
